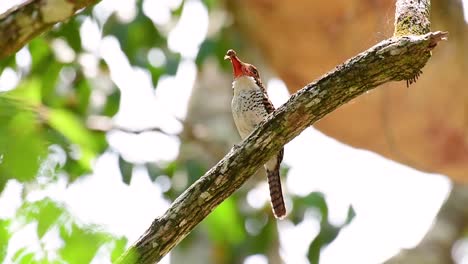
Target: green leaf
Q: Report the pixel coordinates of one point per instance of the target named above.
(210, 4)
(350, 216)
(21, 146)
(9, 61)
(81, 244)
(112, 104)
(317, 200)
(126, 169)
(41, 54)
(171, 168)
(195, 170)
(206, 50)
(4, 238)
(45, 212)
(119, 248)
(172, 64)
(136, 38)
(154, 171)
(224, 223)
(27, 92)
(72, 128)
(156, 73)
(83, 90)
(49, 84)
(70, 30)
(49, 213)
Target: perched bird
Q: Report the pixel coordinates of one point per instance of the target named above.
(250, 106)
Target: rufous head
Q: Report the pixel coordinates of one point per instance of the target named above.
(240, 68)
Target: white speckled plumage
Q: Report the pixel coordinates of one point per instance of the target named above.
(250, 106)
(247, 107)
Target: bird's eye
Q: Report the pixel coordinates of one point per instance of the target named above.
(254, 71)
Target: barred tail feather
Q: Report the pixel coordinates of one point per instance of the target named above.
(276, 193)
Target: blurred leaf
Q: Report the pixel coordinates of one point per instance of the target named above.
(75, 169)
(4, 238)
(216, 47)
(81, 244)
(156, 73)
(154, 171)
(178, 11)
(49, 213)
(210, 4)
(171, 168)
(317, 200)
(23, 256)
(45, 212)
(69, 30)
(90, 143)
(119, 248)
(136, 38)
(27, 92)
(350, 216)
(172, 64)
(112, 104)
(83, 90)
(49, 84)
(224, 223)
(21, 146)
(74, 130)
(195, 170)
(9, 61)
(265, 240)
(126, 169)
(41, 54)
(207, 48)
(328, 232)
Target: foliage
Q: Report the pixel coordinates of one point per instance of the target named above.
(52, 222)
(50, 107)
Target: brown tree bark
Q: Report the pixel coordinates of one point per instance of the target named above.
(424, 127)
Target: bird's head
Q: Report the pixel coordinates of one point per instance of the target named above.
(240, 68)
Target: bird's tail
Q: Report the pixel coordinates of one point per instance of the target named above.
(276, 192)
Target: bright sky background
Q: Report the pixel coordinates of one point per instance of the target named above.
(389, 213)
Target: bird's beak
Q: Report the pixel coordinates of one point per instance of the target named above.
(237, 64)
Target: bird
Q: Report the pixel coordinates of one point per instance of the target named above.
(250, 106)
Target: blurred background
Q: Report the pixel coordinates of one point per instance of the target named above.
(108, 117)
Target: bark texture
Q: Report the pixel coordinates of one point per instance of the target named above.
(22, 23)
(399, 58)
(424, 127)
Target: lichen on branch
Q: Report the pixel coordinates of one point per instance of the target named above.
(412, 17)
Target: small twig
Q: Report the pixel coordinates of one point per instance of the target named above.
(106, 124)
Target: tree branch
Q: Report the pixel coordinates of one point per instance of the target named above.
(412, 17)
(395, 59)
(22, 23)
